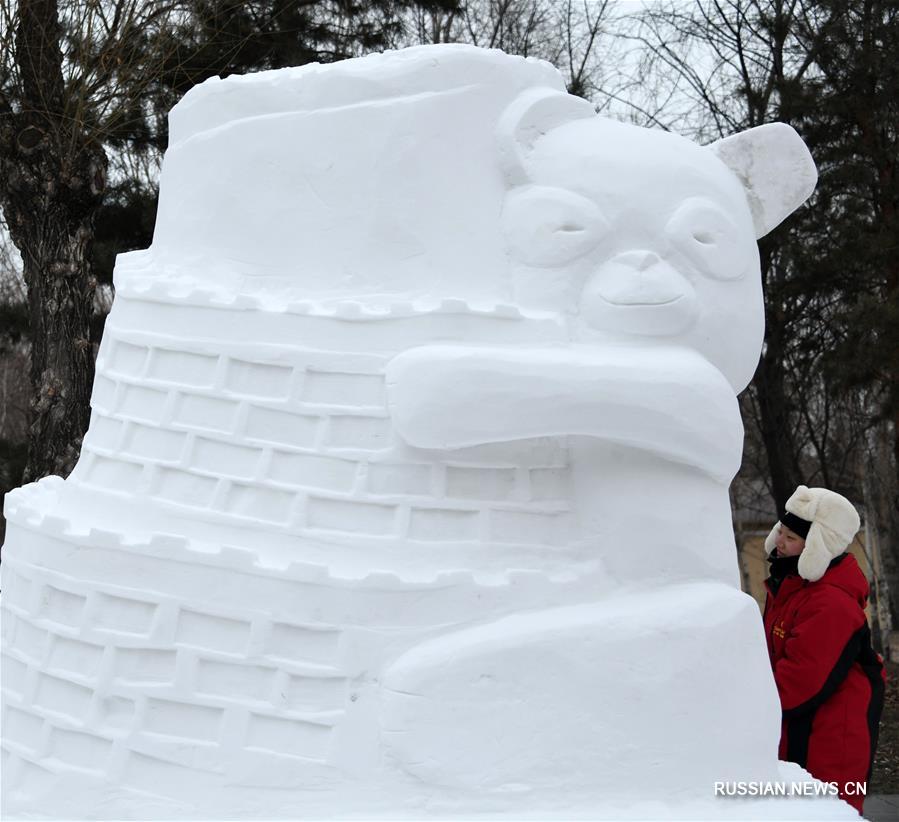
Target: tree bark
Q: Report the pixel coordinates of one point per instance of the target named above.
(882, 516)
(770, 386)
(52, 178)
(775, 428)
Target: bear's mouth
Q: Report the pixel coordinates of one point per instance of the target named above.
(638, 279)
(640, 302)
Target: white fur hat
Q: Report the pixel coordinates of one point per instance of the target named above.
(834, 524)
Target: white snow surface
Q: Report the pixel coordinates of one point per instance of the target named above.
(405, 493)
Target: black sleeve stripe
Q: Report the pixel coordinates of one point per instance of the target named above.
(799, 729)
(835, 678)
(875, 708)
(799, 720)
(873, 668)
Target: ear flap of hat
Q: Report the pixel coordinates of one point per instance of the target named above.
(816, 555)
(803, 502)
(769, 540)
(834, 524)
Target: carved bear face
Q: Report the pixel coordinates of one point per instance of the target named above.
(643, 235)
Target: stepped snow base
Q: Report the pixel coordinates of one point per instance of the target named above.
(130, 683)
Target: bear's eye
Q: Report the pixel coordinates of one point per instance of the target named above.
(549, 227)
(703, 232)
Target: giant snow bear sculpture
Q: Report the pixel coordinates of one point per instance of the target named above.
(405, 489)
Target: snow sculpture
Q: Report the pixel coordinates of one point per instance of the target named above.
(405, 489)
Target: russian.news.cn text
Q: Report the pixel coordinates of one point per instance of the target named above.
(789, 789)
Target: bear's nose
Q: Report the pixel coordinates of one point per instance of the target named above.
(639, 260)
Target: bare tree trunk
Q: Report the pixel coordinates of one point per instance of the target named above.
(52, 177)
(769, 383)
(774, 425)
(882, 521)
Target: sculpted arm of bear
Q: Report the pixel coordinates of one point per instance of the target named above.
(670, 401)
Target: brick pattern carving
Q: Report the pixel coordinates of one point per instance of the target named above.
(303, 443)
(100, 679)
(111, 680)
(142, 661)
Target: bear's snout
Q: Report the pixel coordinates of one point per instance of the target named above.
(637, 292)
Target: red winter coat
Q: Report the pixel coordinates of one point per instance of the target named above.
(829, 679)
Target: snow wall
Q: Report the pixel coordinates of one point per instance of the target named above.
(406, 485)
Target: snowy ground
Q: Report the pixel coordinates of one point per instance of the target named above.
(73, 800)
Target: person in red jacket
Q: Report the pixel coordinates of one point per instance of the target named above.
(830, 680)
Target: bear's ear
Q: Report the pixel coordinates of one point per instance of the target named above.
(527, 118)
(776, 170)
